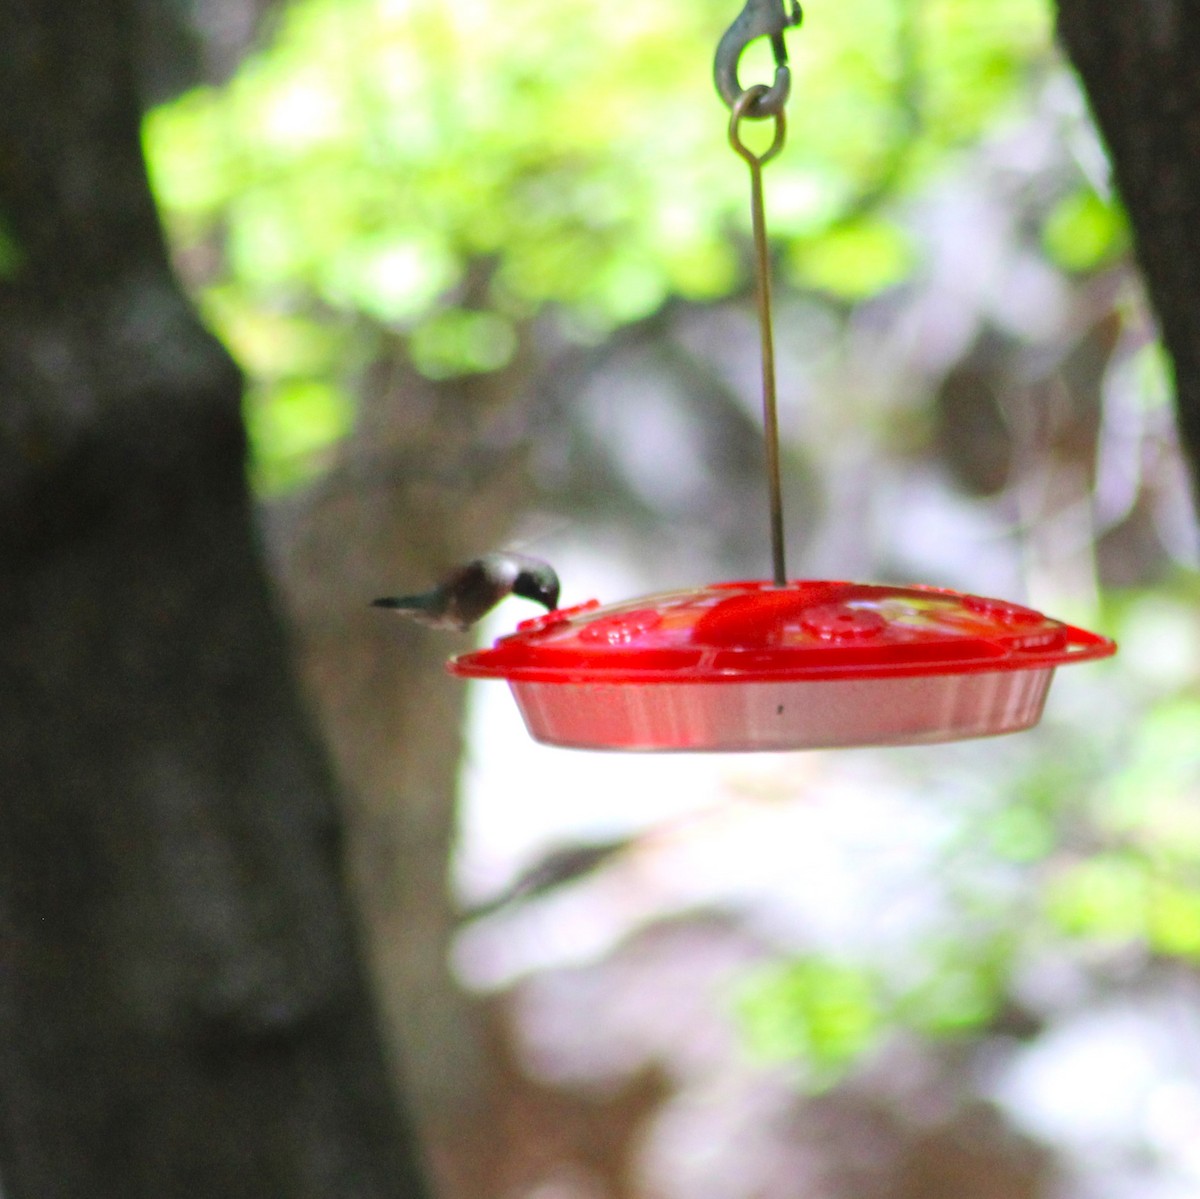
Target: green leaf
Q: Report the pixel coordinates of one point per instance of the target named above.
(821, 1012)
(1174, 920)
(1022, 833)
(1103, 897)
(292, 427)
(1085, 232)
(187, 145)
(856, 261)
(395, 282)
(461, 342)
(270, 343)
(964, 980)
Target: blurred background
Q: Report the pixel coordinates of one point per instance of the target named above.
(488, 269)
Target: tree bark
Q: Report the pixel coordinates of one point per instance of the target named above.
(1137, 60)
(417, 489)
(182, 1008)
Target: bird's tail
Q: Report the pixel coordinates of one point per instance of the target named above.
(409, 603)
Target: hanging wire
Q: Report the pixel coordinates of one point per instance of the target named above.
(743, 109)
(761, 18)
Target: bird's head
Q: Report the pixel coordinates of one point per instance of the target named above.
(537, 581)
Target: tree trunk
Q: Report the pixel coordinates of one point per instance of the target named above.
(417, 489)
(1137, 60)
(182, 1009)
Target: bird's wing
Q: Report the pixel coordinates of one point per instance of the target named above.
(475, 589)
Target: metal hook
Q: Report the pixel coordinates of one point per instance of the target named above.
(760, 18)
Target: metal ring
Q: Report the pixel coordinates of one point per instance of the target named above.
(743, 107)
(768, 101)
(759, 18)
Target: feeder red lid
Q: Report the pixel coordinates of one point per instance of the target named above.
(754, 631)
(804, 665)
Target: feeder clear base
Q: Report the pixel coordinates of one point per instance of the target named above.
(733, 717)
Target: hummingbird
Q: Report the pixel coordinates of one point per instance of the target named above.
(469, 592)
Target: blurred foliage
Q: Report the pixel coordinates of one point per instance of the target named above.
(824, 1014)
(447, 172)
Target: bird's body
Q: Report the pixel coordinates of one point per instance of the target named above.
(468, 593)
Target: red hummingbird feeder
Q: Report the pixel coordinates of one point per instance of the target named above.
(809, 665)
(780, 665)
